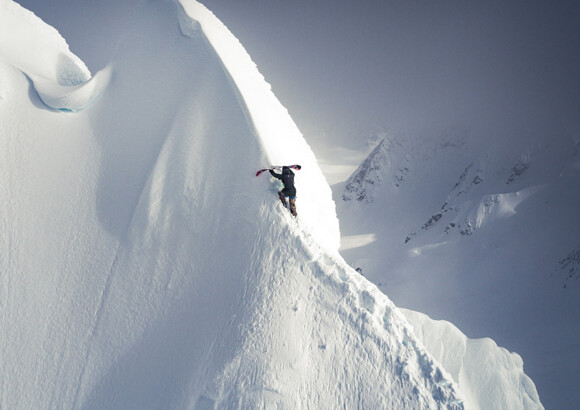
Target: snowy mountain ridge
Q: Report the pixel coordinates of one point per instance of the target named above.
(451, 213)
(470, 201)
(145, 266)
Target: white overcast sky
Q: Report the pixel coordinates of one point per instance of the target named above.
(343, 68)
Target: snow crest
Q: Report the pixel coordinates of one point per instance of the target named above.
(37, 48)
(479, 366)
(145, 266)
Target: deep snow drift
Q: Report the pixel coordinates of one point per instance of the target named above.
(144, 266)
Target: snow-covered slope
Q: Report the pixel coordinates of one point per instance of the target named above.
(479, 228)
(144, 266)
(488, 376)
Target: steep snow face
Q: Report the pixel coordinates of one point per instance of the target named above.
(480, 230)
(279, 136)
(145, 266)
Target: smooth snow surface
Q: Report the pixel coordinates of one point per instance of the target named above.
(144, 265)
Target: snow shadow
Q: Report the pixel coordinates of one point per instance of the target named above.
(154, 71)
(34, 97)
(166, 364)
(154, 370)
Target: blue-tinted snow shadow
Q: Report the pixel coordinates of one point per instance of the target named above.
(159, 114)
(154, 370)
(136, 112)
(34, 97)
(129, 139)
(166, 365)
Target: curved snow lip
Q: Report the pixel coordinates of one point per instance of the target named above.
(71, 98)
(34, 47)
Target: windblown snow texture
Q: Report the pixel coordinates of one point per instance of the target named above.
(144, 266)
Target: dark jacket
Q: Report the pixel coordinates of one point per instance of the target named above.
(287, 178)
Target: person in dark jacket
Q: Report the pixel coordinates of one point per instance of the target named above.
(289, 191)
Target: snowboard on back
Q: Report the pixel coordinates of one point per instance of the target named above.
(275, 167)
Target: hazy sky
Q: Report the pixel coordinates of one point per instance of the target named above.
(345, 67)
(344, 64)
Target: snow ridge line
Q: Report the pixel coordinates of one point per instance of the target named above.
(384, 315)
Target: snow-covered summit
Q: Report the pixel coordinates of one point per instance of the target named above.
(364, 183)
(145, 266)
